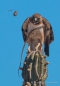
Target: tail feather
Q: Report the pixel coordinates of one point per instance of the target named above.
(46, 49)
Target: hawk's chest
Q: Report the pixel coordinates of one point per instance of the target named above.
(35, 33)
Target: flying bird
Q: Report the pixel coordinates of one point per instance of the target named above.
(15, 13)
(36, 29)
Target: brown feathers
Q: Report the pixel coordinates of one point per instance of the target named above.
(37, 28)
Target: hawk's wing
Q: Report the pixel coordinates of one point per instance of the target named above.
(48, 35)
(25, 29)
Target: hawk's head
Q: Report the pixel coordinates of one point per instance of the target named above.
(36, 18)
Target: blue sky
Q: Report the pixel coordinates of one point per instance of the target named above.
(11, 41)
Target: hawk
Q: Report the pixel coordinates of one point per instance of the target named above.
(36, 29)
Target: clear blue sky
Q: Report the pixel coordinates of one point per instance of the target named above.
(11, 41)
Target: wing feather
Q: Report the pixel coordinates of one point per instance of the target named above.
(48, 35)
(25, 29)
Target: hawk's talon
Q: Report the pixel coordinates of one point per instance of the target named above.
(29, 50)
(36, 48)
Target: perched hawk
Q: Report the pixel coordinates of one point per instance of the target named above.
(36, 29)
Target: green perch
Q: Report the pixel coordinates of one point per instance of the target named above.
(34, 71)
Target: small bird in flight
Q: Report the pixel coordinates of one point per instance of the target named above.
(15, 13)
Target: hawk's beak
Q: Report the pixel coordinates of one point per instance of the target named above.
(35, 19)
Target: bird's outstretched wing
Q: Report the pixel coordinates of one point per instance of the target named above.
(48, 35)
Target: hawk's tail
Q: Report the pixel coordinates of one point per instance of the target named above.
(46, 49)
